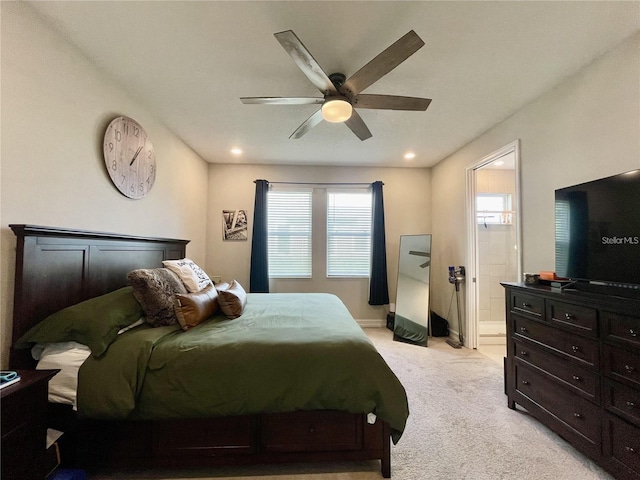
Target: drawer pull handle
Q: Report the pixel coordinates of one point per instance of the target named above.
(526, 305)
(577, 378)
(568, 316)
(523, 329)
(577, 415)
(525, 382)
(575, 348)
(523, 353)
(629, 368)
(633, 333)
(630, 449)
(631, 404)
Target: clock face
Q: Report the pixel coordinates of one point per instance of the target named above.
(129, 157)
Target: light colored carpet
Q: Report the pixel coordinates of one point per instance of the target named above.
(459, 428)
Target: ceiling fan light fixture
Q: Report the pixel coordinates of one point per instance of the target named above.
(336, 110)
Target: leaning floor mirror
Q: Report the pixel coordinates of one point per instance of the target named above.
(412, 294)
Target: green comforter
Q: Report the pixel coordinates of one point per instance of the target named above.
(287, 352)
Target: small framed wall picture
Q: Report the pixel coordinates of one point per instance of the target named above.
(234, 225)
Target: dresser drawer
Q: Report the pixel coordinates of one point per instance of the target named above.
(302, 431)
(583, 381)
(623, 440)
(576, 412)
(622, 365)
(623, 400)
(621, 328)
(527, 304)
(569, 345)
(579, 319)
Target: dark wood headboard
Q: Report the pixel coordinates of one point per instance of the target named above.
(58, 267)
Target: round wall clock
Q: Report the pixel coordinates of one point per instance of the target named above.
(129, 157)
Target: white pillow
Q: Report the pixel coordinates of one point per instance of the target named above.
(193, 277)
(68, 357)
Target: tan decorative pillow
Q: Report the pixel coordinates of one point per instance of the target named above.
(155, 290)
(193, 277)
(194, 308)
(232, 300)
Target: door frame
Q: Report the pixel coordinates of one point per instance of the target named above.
(472, 297)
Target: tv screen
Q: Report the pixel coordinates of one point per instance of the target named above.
(598, 231)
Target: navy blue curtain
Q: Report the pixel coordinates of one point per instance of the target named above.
(378, 287)
(259, 274)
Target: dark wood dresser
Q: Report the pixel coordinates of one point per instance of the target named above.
(24, 427)
(573, 362)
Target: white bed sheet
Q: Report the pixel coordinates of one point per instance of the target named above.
(68, 357)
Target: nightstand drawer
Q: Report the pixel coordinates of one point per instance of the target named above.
(572, 410)
(579, 319)
(583, 381)
(23, 405)
(585, 350)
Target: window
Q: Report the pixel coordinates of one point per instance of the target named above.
(493, 208)
(289, 233)
(563, 229)
(348, 233)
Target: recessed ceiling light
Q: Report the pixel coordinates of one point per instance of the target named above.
(236, 151)
(498, 163)
(409, 155)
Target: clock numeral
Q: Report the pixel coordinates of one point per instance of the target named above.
(118, 136)
(126, 128)
(123, 179)
(149, 154)
(132, 189)
(114, 165)
(142, 187)
(151, 169)
(110, 146)
(136, 131)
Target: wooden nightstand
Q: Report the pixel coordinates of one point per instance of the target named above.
(24, 427)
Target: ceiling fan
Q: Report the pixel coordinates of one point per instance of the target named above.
(341, 96)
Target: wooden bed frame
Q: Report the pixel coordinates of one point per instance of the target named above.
(56, 268)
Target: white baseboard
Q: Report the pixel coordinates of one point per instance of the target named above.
(371, 322)
(492, 328)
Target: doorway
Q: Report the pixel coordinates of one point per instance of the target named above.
(493, 232)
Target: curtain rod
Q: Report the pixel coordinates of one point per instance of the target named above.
(317, 183)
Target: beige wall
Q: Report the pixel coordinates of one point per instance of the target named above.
(55, 108)
(407, 202)
(585, 128)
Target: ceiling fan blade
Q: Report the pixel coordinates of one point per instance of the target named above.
(357, 126)
(391, 102)
(305, 61)
(382, 64)
(282, 100)
(307, 125)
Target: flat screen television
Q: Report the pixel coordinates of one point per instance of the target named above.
(598, 233)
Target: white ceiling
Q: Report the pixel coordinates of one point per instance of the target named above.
(190, 62)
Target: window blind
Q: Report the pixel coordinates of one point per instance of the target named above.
(348, 233)
(563, 225)
(289, 233)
